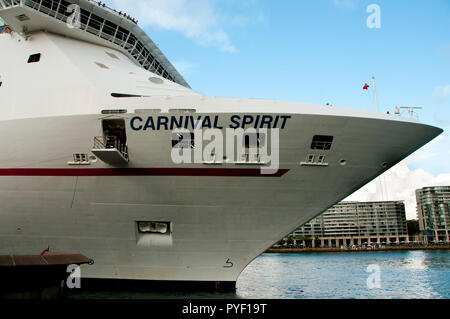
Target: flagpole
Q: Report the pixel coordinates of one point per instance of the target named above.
(375, 92)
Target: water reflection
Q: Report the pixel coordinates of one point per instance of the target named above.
(416, 260)
(407, 274)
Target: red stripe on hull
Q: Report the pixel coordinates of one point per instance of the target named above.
(208, 172)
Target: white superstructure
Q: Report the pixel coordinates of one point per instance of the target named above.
(86, 124)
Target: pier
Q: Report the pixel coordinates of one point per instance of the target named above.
(36, 276)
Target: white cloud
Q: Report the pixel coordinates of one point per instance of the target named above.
(196, 19)
(400, 183)
(432, 154)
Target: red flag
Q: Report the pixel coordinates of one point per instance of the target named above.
(45, 251)
(366, 87)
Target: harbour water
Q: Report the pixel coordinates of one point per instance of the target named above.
(395, 274)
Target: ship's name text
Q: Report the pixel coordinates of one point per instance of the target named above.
(157, 123)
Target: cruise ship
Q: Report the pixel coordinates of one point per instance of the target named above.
(89, 107)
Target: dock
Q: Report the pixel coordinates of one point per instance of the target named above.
(360, 249)
(37, 276)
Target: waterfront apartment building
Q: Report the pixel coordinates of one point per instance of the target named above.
(356, 223)
(433, 213)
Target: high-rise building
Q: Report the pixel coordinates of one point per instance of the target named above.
(356, 223)
(433, 213)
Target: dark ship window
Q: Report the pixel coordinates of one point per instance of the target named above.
(322, 142)
(114, 111)
(120, 95)
(34, 58)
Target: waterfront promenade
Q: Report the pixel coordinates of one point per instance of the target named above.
(354, 249)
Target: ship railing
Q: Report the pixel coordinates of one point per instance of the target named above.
(10, 3)
(127, 40)
(56, 9)
(111, 142)
(98, 143)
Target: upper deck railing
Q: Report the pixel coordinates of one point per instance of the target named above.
(9, 3)
(125, 34)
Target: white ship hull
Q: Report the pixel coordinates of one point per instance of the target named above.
(216, 220)
(221, 216)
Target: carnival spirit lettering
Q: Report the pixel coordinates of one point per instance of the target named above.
(157, 123)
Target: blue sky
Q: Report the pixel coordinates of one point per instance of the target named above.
(315, 51)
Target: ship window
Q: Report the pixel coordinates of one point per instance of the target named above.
(156, 80)
(22, 17)
(322, 142)
(310, 158)
(112, 55)
(101, 65)
(153, 227)
(183, 140)
(114, 111)
(34, 58)
(80, 158)
(122, 95)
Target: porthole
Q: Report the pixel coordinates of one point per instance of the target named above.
(343, 162)
(385, 165)
(156, 80)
